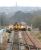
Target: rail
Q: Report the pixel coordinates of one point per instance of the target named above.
(29, 44)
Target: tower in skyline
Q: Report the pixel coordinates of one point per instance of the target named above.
(16, 4)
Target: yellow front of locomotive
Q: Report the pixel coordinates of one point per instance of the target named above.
(23, 28)
(17, 26)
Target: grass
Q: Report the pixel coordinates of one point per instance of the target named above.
(36, 34)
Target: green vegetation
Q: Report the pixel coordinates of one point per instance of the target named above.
(36, 34)
(37, 22)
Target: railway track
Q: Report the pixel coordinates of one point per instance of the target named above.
(22, 40)
(16, 41)
(31, 42)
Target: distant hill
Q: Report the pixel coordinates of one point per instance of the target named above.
(21, 16)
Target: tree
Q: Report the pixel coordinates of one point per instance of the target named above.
(3, 19)
(37, 22)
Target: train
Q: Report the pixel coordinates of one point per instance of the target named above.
(20, 26)
(16, 27)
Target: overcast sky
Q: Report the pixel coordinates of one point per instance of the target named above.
(33, 3)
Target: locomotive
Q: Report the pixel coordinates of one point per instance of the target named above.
(19, 26)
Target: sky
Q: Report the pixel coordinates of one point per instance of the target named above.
(23, 3)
